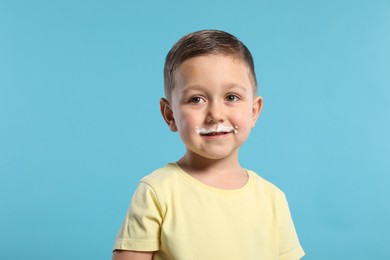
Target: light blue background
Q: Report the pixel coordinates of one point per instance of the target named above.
(80, 83)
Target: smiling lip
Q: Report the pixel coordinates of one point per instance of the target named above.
(215, 133)
(216, 136)
(218, 130)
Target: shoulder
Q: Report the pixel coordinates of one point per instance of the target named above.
(271, 197)
(162, 177)
(266, 188)
(161, 185)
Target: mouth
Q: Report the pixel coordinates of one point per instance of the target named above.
(219, 130)
(215, 133)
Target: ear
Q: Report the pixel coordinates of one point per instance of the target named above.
(167, 113)
(256, 109)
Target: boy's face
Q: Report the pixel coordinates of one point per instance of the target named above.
(213, 107)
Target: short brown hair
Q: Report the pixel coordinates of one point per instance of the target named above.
(201, 43)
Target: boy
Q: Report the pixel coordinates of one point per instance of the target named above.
(206, 206)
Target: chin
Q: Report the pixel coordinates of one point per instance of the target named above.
(216, 155)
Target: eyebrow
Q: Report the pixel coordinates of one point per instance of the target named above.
(191, 88)
(201, 87)
(233, 86)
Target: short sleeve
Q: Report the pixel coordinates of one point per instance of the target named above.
(289, 246)
(140, 230)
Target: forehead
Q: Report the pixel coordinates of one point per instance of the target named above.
(212, 70)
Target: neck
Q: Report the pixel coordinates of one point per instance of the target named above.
(194, 163)
(223, 173)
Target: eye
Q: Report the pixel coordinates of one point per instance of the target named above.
(232, 98)
(196, 100)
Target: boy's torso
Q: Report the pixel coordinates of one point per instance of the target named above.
(201, 222)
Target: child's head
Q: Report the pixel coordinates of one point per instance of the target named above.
(211, 96)
(201, 43)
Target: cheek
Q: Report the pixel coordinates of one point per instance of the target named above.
(243, 117)
(185, 122)
(243, 121)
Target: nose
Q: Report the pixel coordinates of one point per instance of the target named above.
(215, 113)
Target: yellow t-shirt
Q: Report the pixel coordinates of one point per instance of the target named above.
(181, 218)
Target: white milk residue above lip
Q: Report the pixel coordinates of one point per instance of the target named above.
(218, 129)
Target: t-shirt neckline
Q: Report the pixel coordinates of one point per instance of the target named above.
(194, 182)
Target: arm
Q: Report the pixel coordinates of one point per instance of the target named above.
(139, 235)
(290, 247)
(131, 255)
